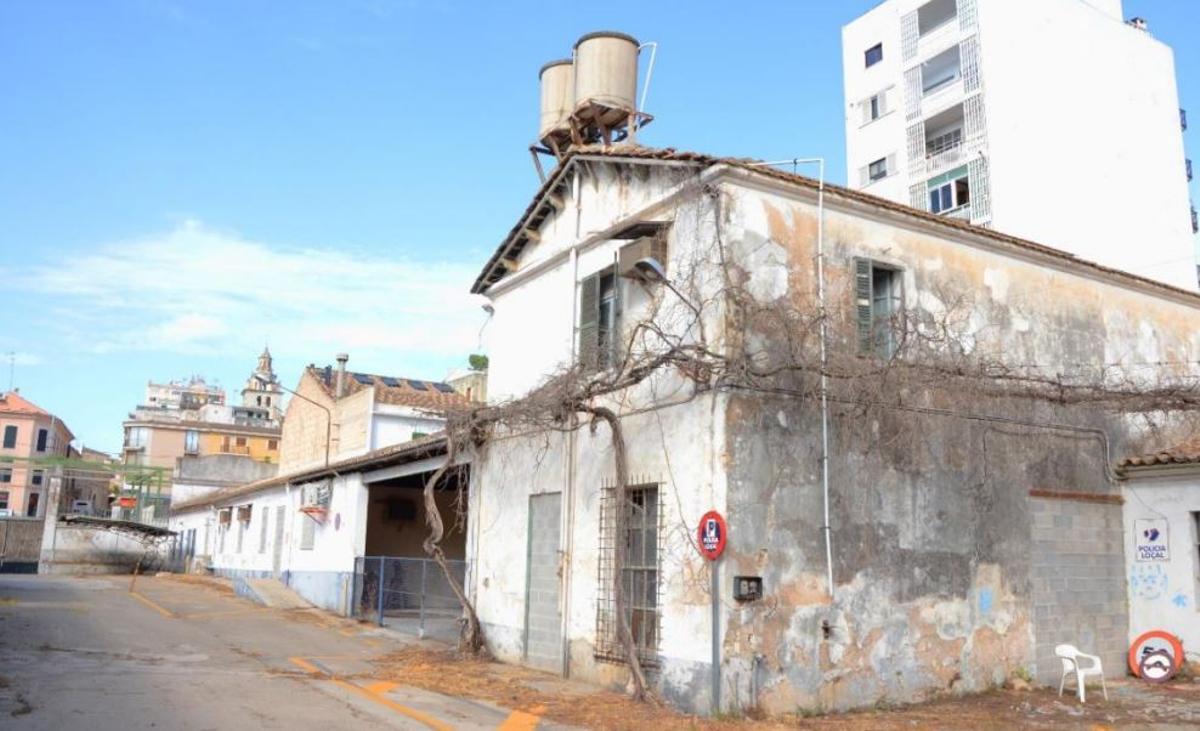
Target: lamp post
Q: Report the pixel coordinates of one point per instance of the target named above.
(328, 414)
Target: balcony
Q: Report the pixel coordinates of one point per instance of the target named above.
(962, 213)
(937, 26)
(234, 449)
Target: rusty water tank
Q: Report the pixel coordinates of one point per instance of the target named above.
(606, 65)
(557, 80)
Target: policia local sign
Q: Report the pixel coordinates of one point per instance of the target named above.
(1150, 539)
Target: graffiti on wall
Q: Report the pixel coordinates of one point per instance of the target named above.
(1148, 581)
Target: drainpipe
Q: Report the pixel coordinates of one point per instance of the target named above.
(340, 389)
(825, 527)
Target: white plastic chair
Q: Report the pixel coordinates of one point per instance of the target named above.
(1070, 656)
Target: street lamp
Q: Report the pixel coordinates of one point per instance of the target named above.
(651, 270)
(328, 414)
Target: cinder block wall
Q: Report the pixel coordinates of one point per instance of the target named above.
(1078, 572)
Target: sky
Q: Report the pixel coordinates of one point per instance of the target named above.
(184, 182)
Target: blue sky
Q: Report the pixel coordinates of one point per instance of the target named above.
(181, 182)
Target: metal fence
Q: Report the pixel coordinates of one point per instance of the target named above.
(409, 594)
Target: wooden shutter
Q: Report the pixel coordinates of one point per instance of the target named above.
(589, 322)
(862, 303)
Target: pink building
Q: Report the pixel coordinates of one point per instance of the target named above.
(27, 432)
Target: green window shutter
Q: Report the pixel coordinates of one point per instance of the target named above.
(589, 322)
(862, 303)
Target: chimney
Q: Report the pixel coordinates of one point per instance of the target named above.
(341, 374)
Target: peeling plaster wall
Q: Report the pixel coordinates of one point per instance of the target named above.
(934, 531)
(946, 577)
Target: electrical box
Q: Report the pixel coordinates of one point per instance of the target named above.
(747, 588)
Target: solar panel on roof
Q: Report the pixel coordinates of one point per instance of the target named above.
(418, 385)
(389, 381)
(444, 387)
(364, 379)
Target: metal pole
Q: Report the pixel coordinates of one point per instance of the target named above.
(382, 565)
(716, 636)
(421, 621)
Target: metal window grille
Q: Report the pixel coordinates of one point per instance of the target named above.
(916, 149)
(981, 199)
(917, 196)
(967, 15)
(640, 585)
(910, 35)
(974, 121)
(969, 60)
(912, 94)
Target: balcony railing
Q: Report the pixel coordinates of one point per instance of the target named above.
(1195, 222)
(962, 213)
(234, 449)
(1183, 119)
(1187, 164)
(939, 160)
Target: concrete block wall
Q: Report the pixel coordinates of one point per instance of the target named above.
(1077, 569)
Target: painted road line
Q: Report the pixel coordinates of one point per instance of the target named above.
(153, 604)
(381, 686)
(371, 695)
(520, 721)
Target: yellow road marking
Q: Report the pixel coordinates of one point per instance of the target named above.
(305, 665)
(520, 721)
(380, 687)
(412, 713)
(153, 604)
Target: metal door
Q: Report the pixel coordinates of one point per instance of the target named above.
(543, 618)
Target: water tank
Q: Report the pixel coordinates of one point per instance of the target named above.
(558, 96)
(606, 73)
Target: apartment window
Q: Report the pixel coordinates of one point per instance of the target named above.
(308, 533)
(941, 70)
(874, 54)
(5, 474)
(31, 505)
(241, 441)
(136, 436)
(272, 445)
(191, 441)
(599, 320)
(10, 437)
(878, 170)
(639, 574)
(42, 437)
(878, 295)
(949, 195)
(4, 501)
(37, 477)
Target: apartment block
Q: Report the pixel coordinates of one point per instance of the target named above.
(1056, 121)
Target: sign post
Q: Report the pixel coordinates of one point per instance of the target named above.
(711, 538)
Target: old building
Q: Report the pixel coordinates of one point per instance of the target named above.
(341, 413)
(957, 106)
(1162, 533)
(921, 551)
(29, 434)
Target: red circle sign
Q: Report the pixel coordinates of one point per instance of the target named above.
(710, 536)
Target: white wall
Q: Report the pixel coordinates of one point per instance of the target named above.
(396, 424)
(1165, 594)
(1084, 141)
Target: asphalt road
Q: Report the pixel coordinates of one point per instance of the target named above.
(86, 653)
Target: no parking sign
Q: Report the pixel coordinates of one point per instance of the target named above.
(711, 535)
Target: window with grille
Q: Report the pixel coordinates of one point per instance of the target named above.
(639, 574)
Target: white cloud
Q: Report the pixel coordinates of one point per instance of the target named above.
(197, 290)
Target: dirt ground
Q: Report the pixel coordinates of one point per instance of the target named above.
(1131, 704)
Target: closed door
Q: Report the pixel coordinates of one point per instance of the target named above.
(277, 549)
(543, 618)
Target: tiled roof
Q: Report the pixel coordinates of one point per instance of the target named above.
(1185, 453)
(429, 446)
(14, 403)
(427, 395)
(537, 211)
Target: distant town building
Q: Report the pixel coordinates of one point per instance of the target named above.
(88, 489)
(27, 433)
(182, 421)
(1053, 120)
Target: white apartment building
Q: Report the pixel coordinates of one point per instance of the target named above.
(1052, 120)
